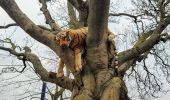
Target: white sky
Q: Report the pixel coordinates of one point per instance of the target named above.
(31, 9)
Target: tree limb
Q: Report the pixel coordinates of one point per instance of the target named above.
(39, 34)
(125, 66)
(83, 8)
(27, 25)
(15, 24)
(54, 26)
(8, 25)
(73, 23)
(125, 14)
(146, 45)
(65, 82)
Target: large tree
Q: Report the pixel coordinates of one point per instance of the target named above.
(98, 79)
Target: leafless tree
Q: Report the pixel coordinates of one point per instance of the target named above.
(100, 78)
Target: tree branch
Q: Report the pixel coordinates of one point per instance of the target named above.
(146, 45)
(125, 66)
(39, 34)
(65, 82)
(49, 20)
(15, 24)
(83, 8)
(124, 14)
(27, 25)
(73, 23)
(8, 25)
(162, 9)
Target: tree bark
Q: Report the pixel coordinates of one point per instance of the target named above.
(98, 82)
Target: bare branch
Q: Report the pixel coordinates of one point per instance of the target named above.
(58, 93)
(12, 51)
(162, 9)
(125, 66)
(49, 20)
(44, 75)
(9, 25)
(146, 45)
(83, 8)
(163, 62)
(145, 40)
(124, 14)
(72, 15)
(155, 9)
(27, 25)
(15, 24)
(65, 82)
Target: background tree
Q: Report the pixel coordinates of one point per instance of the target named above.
(98, 81)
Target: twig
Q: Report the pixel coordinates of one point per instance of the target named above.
(8, 25)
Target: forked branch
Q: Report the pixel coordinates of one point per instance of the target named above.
(146, 45)
(54, 26)
(39, 69)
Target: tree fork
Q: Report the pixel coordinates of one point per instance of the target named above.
(98, 82)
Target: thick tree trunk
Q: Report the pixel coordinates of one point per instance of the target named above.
(112, 89)
(99, 83)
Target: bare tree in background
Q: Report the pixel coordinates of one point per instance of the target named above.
(98, 81)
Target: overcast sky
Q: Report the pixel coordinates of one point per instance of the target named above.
(31, 9)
